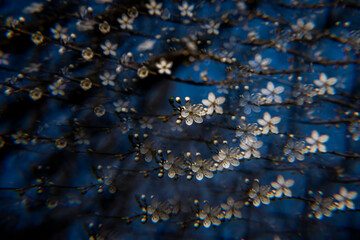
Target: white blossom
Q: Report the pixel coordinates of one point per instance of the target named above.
(59, 32)
(303, 30)
(325, 84)
(164, 67)
(316, 141)
(228, 157)
(213, 104)
(125, 22)
(186, 9)
(282, 187)
(109, 48)
(272, 93)
(231, 208)
(344, 198)
(210, 215)
(251, 149)
(268, 123)
(107, 79)
(154, 8)
(322, 206)
(259, 63)
(260, 194)
(158, 210)
(192, 113)
(295, 150)
(212, 27)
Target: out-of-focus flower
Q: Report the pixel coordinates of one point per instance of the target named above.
(344, 199)
(354, 129)
(295, 150)
(59, 32)
(250, 102)
(316, 141)
(212, 27)
(260, 194)
(175, 165)
(247, 131)
(325, 84)
(210, 215)
(251, 149)
(259, 63)
(232, 208)
(154, 7)
(186, 9)
(107, 79)
(322, 206)
(34, 8)
(228, 157)
(202, 167)
(109, 48)
(272, 93)
(126, 22)
(303, 30)
(158, 210)
(282, 187)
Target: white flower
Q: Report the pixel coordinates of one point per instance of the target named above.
(164, 67)
(202, 167)
(260, 64)
(108, 79)
(213, 104)
(121, 105)
(59, 32)
(126, 22)
(146, 149)
(250, 102)
(295, 150)
(345, 198)
(210, 215)
(322, 206)
(325, 84)
(247, 131)
(302, 30)
(269, 123)
(154, 8)
(186, 9)
(146, 45)
(282, 186)
(174, 165)
(212, 27)
(251, 148)
(34, 8)
(158, 210)
(260, 194)
(316, 141)
(57, 88)
(272, 93)
(228, 157)
(232, 208)
(192, 113)
(109, 48)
